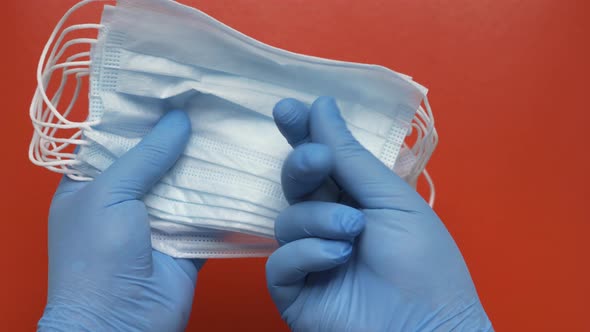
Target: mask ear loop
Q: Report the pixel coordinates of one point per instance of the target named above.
(431, 139)
(43, 125)
(46, 149)
(46, 139)
(48, 116)
(40, 82)
(432, 196)
(48, 73)
(426, 141)
(55, 151)
(45, 115)
(70, 125)
(53, 59)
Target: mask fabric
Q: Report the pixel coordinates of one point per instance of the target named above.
(221, 197)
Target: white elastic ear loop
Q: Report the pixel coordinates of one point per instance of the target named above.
(70, 172)
(77, 27)
(77, 41)
(80, 73)
(432, 196)
(431, 138)
(45, 120)
(417, 148)
(44, 56)
(52, 57)
(49, 140)
(41, 118)
(41, 134)
(426, 141)
(38, 145)
(41, 89)
(46, 115)
(421, 146)
(45, 140)
(48, 73)
(55, 151)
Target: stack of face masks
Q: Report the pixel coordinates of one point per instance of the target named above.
(222, 196)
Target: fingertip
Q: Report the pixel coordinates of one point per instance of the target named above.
(285, 110)
(176, 121)
(326, 122)
(352, 222)
(324, 101)
(326, 105)
(291, 117)
(325, 220)
(338, 251)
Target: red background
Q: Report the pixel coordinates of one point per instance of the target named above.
(508, 83)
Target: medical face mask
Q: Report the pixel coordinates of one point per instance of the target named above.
(155, 55)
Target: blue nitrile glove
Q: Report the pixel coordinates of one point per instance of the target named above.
(103, 273)
(389, 265)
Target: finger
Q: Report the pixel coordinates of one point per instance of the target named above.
(190, 266)
(318, 219)
(132, 175)
(368, 181)
(288, 266)
(304, 171)
(292, 118)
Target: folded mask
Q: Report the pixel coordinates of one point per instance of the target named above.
(221, 197)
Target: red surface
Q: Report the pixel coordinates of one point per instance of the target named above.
(508, 84)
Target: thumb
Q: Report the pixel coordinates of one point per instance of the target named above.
(366, 179)
(134, 174)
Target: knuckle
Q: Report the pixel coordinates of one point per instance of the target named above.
(152, 149)
(279, 229)
(351, 147)
(310, 160)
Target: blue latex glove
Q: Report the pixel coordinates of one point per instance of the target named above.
(103, 273)
(389, 265)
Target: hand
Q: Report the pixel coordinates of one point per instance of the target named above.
(103, 273)
(389, 265)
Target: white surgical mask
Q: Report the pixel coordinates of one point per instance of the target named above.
(184, 241)
(154, 55)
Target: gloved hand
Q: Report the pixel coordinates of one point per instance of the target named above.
(103, 273)
(387, 265)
